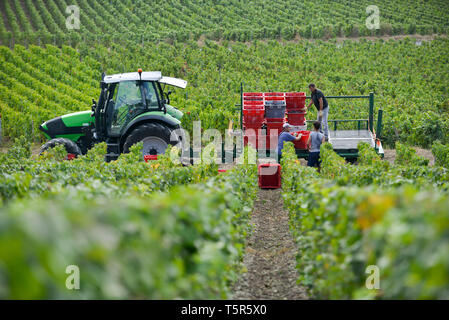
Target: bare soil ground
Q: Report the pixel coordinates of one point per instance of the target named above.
(270, 257)
(7, 144)
(390, 155)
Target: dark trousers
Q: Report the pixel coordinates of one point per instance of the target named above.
(314, 159)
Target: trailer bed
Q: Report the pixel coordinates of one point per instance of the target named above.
(349, 139)
(345, 143)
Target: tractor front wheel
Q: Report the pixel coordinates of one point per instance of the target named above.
(71, 147)
(154, 136)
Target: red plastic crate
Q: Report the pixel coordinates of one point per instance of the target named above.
(251, 139)
(269, 175)
(254, 126)
(274, 94)
(301, 110)
(150, 157)
(296, 119)
(274, 98)
(302, 143)
(295, 100)
(253, 116)
(275, 120)
(273, 126)
(273, 129)
(295, 94)
(252, 94)
(246, 99)
(274, 145)
(253, 104)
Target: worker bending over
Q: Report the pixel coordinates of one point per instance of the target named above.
(285, 136)
(316, 138)
(320, 102)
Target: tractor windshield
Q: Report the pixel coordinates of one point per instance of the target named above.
(128, 102)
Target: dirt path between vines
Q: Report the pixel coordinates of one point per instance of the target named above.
(270, 256)
(390, 155)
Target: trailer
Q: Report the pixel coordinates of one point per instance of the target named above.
(344, 141)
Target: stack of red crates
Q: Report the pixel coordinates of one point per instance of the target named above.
(296, 108)
(253, 115)
(274, 125)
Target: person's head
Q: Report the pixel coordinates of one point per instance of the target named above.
(317, 125)
(286, 127)
(312, 87)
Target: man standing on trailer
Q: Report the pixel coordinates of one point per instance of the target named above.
(320, 102)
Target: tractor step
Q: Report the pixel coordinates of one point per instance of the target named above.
(112, 150)
(111, 157)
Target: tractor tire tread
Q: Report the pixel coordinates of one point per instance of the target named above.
(70, 146)
(146, 130)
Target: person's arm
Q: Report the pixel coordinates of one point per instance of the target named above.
(292, 137)
(298, 137)
(309, 142)
(311, 101)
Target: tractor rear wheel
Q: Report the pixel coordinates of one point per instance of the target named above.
(154, 136)
(70, 146)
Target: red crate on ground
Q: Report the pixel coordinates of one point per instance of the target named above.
(296, 118)
(253, 116)
(269, 175)
(302, 143)
(295, 100)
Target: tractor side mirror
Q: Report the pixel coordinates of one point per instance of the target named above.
(167, 95)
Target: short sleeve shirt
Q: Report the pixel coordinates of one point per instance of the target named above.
(316, 97)
(315, 140)
(284, 136)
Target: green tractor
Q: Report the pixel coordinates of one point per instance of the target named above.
(132, 107)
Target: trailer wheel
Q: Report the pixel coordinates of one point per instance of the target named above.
(71, 147)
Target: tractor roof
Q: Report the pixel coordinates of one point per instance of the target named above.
(146, 76)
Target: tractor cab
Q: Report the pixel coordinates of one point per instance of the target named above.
(132, 107)
(126, 96)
